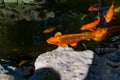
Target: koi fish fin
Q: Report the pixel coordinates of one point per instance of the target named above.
(98, 17)
(73, 44)
(58, 34)
(92, 29)
(22, 62)
(63, 45)
(113, 2)
(88, 39)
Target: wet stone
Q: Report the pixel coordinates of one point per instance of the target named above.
(69, 64)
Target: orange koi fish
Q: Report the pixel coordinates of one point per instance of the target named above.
(101, 33)
(91, 26)
(68, 39)
(49, 30)
(72, 39)
(109, 15)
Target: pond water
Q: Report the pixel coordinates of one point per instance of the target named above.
(22, 26)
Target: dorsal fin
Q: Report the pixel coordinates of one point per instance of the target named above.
(73, 44)
(58, 34)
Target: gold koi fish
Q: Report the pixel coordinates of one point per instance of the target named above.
(101, 33)
(91, 26)
(73, 39)
(49, 30)
(68, 39)
(109, 15)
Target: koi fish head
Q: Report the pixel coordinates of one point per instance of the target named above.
(53, 40)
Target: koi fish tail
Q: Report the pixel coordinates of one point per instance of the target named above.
(113, 2)
(98, 17)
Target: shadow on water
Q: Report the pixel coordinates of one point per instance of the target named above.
(105, 67)
(46, 74)
(92, 70)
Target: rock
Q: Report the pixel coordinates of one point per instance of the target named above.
(8, 72)
(19, 12)
(49, 15)
(113, 42)
(69, 64)
(18, 1)
(105, 67)
(105, 50)
(114, 56)
(7, 77)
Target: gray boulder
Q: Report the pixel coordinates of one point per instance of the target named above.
(69, 64)
(106, 67)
